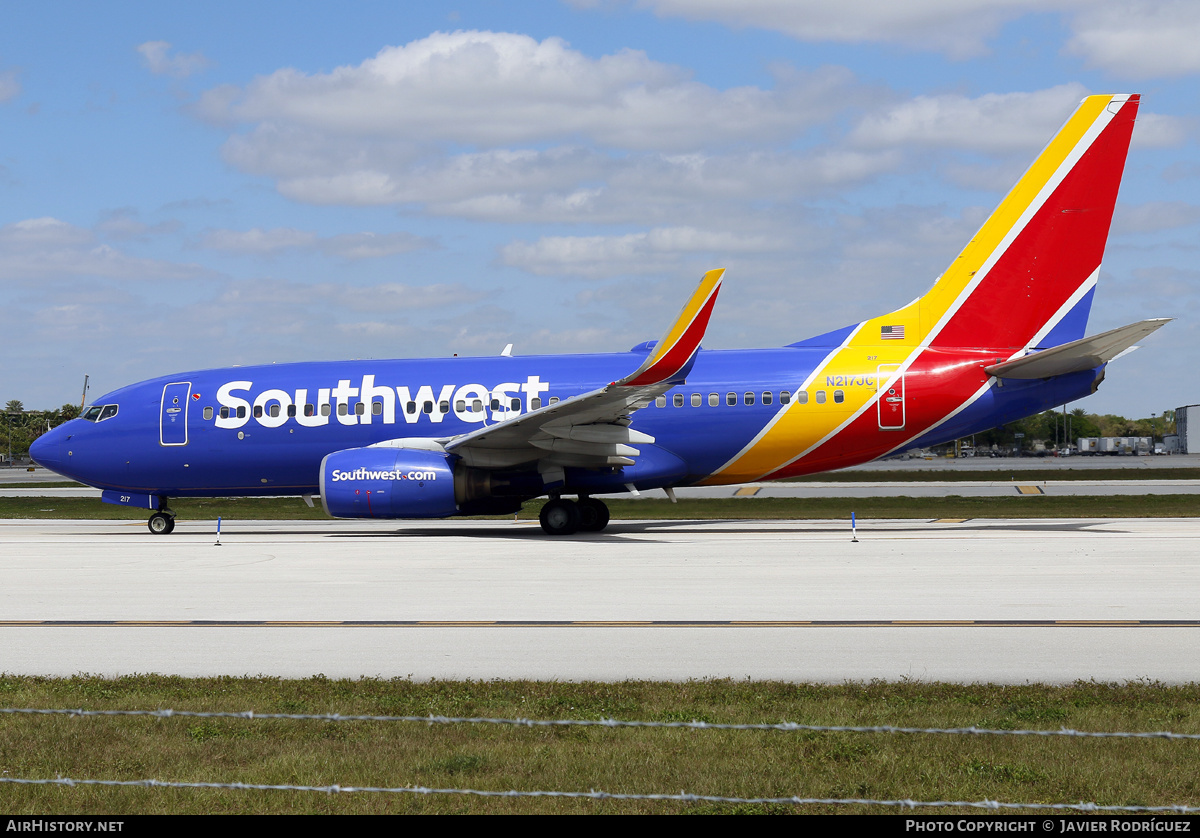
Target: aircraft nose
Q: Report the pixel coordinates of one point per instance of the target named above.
(46, 450)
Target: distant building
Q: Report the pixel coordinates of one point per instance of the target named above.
(1189, 443)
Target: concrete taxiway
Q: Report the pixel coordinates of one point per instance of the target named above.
(1008, 601)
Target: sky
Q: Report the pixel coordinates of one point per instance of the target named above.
(187, 185)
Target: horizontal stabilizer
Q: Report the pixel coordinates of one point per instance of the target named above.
(1078, 355)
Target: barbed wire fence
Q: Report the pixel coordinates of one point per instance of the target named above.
(595, 795)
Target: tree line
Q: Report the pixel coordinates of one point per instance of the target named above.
(21, 427)
(1050, 427)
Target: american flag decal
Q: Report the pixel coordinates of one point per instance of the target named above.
(891, 332)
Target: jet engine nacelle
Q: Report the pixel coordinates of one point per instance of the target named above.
(388, 483)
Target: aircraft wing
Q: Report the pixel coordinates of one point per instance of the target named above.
(592, 429)
(1078, 355)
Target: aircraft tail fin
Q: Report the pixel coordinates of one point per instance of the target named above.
(1026, 278)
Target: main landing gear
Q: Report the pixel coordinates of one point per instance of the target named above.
(565, 517)
(162, 522)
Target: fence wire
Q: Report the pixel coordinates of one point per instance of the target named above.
(681, 797)
(609, 723)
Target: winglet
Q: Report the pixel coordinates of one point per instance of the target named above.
(674, 353)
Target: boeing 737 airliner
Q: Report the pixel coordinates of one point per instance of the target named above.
(998, 337)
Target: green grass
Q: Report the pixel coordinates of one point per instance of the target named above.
(1018, 471)
(1017, 506)
(742, 764)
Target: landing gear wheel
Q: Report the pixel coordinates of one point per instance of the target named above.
(161, 524)
(593, 515)
(559, 517)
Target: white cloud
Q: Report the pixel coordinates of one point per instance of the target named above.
(10, 88)
(325, 299)
(958, 28)
(1139, 39)
(124, 224)
(258, 241)
(348, 245)
(47, 248)
(649, 252)
(995, 122)
(156, 59)
(373, 245)
(499, 125)
(1154, 216)
(493, 89)
(1136, 39)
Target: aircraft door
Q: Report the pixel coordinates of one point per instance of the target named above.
(172, 419)
(891, 398)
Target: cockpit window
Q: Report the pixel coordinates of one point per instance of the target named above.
(100, 412)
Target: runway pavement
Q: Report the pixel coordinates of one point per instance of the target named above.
(1010, 601)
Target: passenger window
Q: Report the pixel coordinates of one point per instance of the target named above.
(554, 400)
(677, 400)
(515, 404)
(224, 413)
(325, 409)
(258, 411)
(376, 408)
(310, 410)
(802, 397)
(291, 410)
(535, 404)
(495, 404)
(767, 397)
(208, 413)
(242, 411)
(477, 405)
(460, 405)
(839, 396)
(749, 398)
(343, 409)
(820, 397)
(274, 410)
(695, 399)
(661, 401)
(360, 408)
(785, 397)
(427, 407)
(443, 407)
(714, 400)
(731, 399)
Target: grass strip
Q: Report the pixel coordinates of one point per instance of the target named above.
(1016, 472)
(741, 764)
(954, 506)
